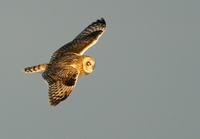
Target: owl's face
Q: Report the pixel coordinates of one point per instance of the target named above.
(88, 65)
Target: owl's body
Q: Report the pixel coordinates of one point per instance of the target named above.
(68, 62)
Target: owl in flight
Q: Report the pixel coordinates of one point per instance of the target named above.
(68, 62)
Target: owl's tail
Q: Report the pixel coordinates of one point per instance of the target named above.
(37, 68)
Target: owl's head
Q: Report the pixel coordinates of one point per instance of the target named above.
(88, 64)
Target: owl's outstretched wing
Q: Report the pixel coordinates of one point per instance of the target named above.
(87, 38)
(61, 83)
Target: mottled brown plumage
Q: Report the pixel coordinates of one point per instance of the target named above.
(68, 62)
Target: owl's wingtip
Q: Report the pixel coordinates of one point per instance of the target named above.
(52, 104)
(102, 20)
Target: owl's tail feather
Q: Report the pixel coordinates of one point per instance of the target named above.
(37, 68)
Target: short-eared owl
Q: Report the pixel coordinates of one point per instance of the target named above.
(68, 62)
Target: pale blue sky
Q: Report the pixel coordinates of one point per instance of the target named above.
(146, 84)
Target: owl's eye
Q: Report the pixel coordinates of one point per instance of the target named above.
(88, 63)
